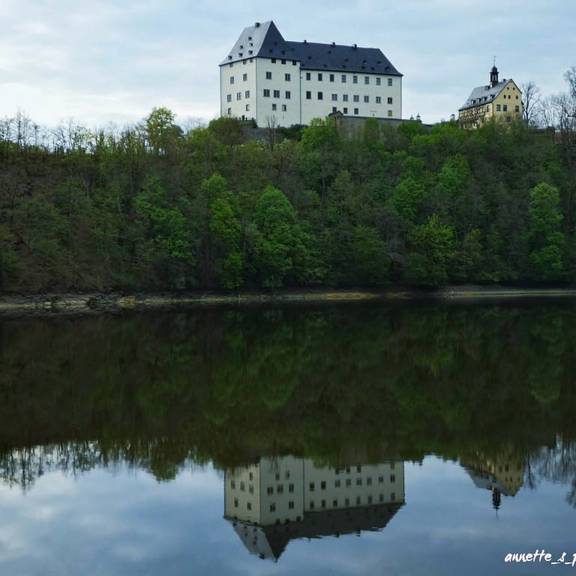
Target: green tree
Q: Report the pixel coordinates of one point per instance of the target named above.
(547, 240)
(162, 132)
(277, 238)
(432, 253)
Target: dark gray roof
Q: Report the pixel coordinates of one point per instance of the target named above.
(484, 95)
(263, 40)
(271, 541)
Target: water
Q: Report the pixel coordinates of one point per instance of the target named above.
(414, 439)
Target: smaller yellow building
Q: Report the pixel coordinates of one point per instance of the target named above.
(496, 101)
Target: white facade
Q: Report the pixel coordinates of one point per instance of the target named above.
(307, 81)
(284, 490)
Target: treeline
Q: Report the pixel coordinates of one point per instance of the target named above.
(154, 207)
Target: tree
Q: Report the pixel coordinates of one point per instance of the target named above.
(227, 232)
(530, 102)
(546, 237)
(164, 244)
(432, 253)
(276, 238)
(162, 132)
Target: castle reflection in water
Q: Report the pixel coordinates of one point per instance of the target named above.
(286, 498)
(280, 499)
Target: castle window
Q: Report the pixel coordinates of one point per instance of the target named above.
(276, 93)
(378, 81)
(311, 486)
(320, 96)
(284, 108)
(249, 505)
(229, 111)
(505, 107)
(345, 97)
(244, 77)
(294, 63)
(355, 79)
(356, 98)
(273, 60)
(280, 489)
(268, 75)
(335, 504)
(356, 114)
(308, 95)
(231, 79)
(368, 481)
(270, 490)
(517, 108)
(349, 480)
(272, 507)
(392, 478)
(345, 110)
(334, 97)
(247, 94)
(308, 76)
(366, 99)
(323, 503)
(288, 94)
(358, 481)
(291, 488)
(291, 505)
(266, 93)
(343, 78)
(498, 108)
(274, 107)
(238, 95)
(287, 77)
(283, 61)
(366, 79)
(229, 98)
(323, 485)
(389, 113)
(337, 484)
(393, 496)
(390, 82)
(378, 100)
(319, 77)
(390, 100)
(331, 77)
(235, 502)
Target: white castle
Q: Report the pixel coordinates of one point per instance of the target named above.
(286, 498)
(281, 83)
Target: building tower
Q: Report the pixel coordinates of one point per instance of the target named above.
(494, 76)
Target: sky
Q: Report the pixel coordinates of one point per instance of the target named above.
(112, 61)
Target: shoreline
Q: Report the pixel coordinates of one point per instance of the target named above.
(94, 303)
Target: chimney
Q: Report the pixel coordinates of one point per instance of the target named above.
(355, 46)
(257, 24)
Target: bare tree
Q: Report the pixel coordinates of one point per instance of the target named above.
(271, 130)
(530, 102)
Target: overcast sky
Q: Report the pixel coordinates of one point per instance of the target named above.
(101, 61)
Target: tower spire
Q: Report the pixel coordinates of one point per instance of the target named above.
(494, 74)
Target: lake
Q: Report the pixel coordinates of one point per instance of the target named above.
(419, 438)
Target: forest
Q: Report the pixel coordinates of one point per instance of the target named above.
(154, 207)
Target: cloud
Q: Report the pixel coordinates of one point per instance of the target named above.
(114, 61)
